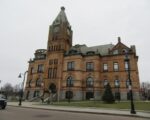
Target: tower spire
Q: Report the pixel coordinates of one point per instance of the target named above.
(63, 8)
(60, 33)
(61, 17)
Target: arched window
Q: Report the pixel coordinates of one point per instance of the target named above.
(105, 82)
(117, 83)
(69, 81)
(89, 82)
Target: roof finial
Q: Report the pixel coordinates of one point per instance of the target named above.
(62, 8)
(119, 39)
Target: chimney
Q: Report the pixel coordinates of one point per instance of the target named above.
(119, 39)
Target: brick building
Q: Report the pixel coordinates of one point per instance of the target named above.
(80, 72)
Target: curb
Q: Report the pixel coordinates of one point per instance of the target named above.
(88, 112)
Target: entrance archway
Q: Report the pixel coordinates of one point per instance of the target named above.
(52, 88)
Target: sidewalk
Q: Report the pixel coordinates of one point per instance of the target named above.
(37, 105)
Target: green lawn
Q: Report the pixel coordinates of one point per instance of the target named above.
(98, 104)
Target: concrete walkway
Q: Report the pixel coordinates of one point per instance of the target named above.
(37, 105)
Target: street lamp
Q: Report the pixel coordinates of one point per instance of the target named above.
(69, 80)
(117, 85)
(42, 85)
(22, 86)
(127, 60)
(143, 92)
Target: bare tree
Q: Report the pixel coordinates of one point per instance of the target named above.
(145, 90)
(7, 89)
(16, 90)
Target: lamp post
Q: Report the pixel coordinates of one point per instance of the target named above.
(43, 87)
(93, 91)
(69, 90)
(117, 85)
(127, 60)
(22, 86)
(69, 85)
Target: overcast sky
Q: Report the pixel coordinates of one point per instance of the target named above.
(24, 28)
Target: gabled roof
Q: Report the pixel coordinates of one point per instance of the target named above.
(120, 45)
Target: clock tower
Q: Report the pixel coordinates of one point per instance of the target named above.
(59, 41)
(60, 33)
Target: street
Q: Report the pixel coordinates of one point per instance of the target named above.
(16, 113)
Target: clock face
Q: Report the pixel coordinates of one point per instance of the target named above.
(56, 29)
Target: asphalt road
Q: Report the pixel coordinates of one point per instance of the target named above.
(16, 113)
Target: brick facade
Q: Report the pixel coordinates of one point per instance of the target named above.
(79, 72)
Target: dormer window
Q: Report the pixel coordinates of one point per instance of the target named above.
(90, 53)
(72, 51)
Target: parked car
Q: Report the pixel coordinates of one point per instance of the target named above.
(3, 102)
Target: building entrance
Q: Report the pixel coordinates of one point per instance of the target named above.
(89, 95)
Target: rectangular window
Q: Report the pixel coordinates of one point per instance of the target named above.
(55, 61)
(89, 66)
(54, 72)
(70, 66)
(115, 52)
(126, 65)
(40, 68)
(50, 62)
(36, 93)
(50, 73)
(117, 83)
(69, 82)
(105, 82)
(105, 67)
(116, 66)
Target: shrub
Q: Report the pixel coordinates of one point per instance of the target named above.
(108, 96)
